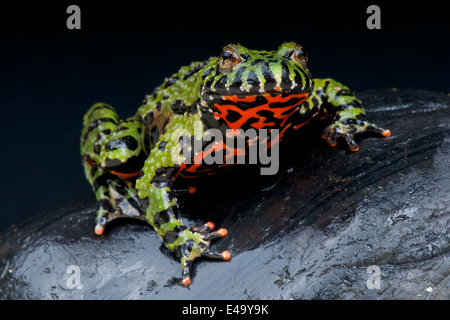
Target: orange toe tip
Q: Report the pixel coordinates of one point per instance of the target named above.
(99, 230)
(186, 281)
(324, 137)
(226, 255)
(192, 189)
(222, 231)
(356, 148)
(210, 225)
(386, 133)
(333, 145)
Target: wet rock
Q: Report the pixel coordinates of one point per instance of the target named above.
(331, 225)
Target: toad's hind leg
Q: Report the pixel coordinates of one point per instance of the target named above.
(113, 157)
(188, 243)
(155, 187)
(116, 197)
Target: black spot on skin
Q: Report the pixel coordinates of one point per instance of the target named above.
(237, 81)
(253, 80)
(193, 108)
(288, 111)
(121, 187)
(164, 175)
(178, 107)
(233, 116)
(148, 119)
(286, 83)
(127, 142)
(207, 73)
(222, 82)
(162, 145)
(245, 56)
(94, 124)
(298, 79)
(160, 218)
(102, 181)
(183, 249)
(344, 92)
(165, 171)
(131, 165)
(112, 163)
(171, 236)
(145, 201)
(154, 136)
(325, 87)
(170, 82)
(265, 113)
(251, 121)
(93, 171)
(195, 69)
(97, 122)
(106, 205)
(315, 103)
(209, 83)
(256, 61)
(165, 125)
(97, 147)
(268, 76)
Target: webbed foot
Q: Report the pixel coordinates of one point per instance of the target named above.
(196, 245)
(348, 129)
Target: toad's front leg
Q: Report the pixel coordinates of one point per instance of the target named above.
(349, 116)
(155, 187)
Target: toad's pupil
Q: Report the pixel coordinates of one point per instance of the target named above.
(301, 52)
(226, 55)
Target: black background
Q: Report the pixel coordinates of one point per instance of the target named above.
(51, 75)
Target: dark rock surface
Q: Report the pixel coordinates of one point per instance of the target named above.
(310, 232)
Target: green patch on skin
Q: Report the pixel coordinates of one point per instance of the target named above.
(169, 226)
(350, 113)
(184, 237)
(158, 200)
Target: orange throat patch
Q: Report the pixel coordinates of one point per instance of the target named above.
(275, 109)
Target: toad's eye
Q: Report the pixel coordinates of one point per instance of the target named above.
(229, 58)
(300, 55)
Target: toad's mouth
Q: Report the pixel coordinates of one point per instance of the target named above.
(259, 90)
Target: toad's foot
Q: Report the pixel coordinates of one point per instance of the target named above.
(195, 243)
(347, 130)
